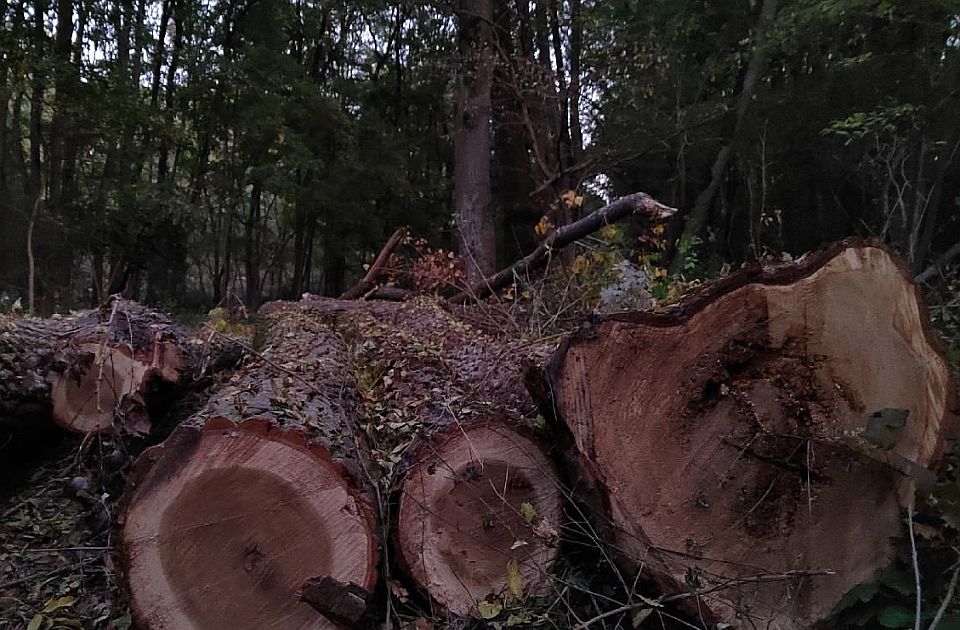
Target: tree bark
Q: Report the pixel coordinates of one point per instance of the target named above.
(251, 258)
(257, 494)
(758, 433)
(472, 199)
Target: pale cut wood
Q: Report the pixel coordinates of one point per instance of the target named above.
(224, 523)
(107, 368)
(725, 439)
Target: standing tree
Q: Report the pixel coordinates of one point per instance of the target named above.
(472, 138)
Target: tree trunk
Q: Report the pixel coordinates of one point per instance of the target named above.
(752, 431)
(251, 241)
(576, 54)
(696, 222)
(263, 490)
(472, 199)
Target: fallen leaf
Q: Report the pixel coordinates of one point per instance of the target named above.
(514, 581)
(489, 610)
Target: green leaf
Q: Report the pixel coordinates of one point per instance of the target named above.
(36, 622)
(900, 581)
(57, 604)
(489, 610)
(123, 623)
(896, 617)
(884, 427)
(947, 498)
(515, 620)
(860, 593)
(528, 512)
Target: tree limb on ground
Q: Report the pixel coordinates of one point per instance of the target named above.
(931, 272)
(637, 203)
(366, 283)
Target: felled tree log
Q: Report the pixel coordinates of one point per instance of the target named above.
(262, 491)
(91, 372)
(108, 367)
(478, 499)
(743, 436)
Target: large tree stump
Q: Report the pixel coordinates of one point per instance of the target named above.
(224, 523)
(91, 372)
(732, 439)
(478, 501)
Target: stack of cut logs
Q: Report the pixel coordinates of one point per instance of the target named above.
(726, 446)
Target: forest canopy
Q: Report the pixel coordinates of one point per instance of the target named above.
(184, 152)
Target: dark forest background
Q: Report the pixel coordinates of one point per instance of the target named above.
(187, 151)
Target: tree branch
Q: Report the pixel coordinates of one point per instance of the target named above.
(376, 267)
(637, 203)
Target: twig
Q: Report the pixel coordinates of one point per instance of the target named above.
(916, 567)
(62, 549)
(947, 599)
(752, 579)
(42, 576)
(260, 356)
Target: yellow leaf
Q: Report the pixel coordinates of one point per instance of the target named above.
(57, 604)
(543, 226)
(489, 610)
(514, 581)
(580, 264)
(659, 229)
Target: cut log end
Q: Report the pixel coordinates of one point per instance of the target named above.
(473, 506)
(109, 371)
(228, 522)
(104, 382)
(733, 438)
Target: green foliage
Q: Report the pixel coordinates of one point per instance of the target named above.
(886, 121)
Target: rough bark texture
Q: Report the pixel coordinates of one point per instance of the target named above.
(224, 523)
(471, 143)
(91, 372)
(733, 436)
(452, 424)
